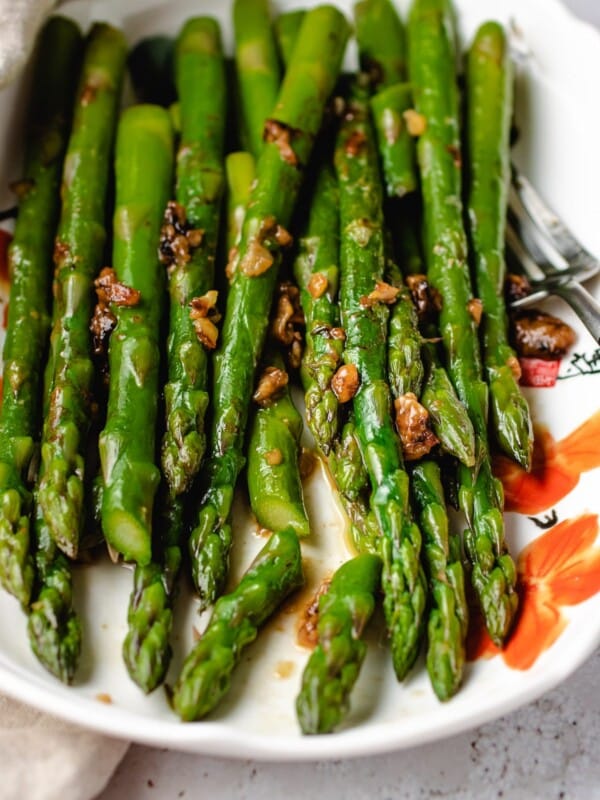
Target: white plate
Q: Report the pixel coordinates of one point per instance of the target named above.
(558, 112)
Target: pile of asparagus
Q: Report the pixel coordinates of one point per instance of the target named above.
(130, 409)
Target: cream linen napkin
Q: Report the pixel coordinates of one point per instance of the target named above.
(42, 758)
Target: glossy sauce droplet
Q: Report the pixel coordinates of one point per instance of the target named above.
(284, 669)
(307, 635)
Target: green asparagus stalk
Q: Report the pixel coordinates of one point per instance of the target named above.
(377, 22)
(405, 367)
(448, 614)
(240, 169)
(257, 65)
(78, 254)
(287, 27)
(143, 171)
(362, 264)
(234, 624)
(352, 482)
(396, 144)
(30, 256)
(146, 648)
(200, 75)
(53, 627)
(297, 117)
(449, 418)
(316, 271)
(489, 109)
(432, 60)
(381, 42)
(382, 54)
(273, 474)
(331, 672)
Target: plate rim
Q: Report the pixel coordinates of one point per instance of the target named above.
(217, 738)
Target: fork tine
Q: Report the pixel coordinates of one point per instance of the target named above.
(522, 257)
(522, 229)
(552, 226)
(581, 301)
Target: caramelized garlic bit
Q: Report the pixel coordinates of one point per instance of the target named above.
(204, 314)
(426, 298)
(274, 457)
(258, 258)
(475, 309)
(317, 285)
(539, 335)
(515, 367)
(382, 293)
(288, 314)
(281, 135)
(109, 291)
(416, 124)
(206, 331)
(413, 426)
(270, 385)
(516, 287)
(178, 239)
(355, 143)
(233, 258)
(345, 383)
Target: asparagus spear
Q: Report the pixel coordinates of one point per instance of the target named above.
(352, 481)
(286, 27)
(381, 42)
(273, 474)
(362, 264)
(377, 21)
(448, 615)
(257, 68)
(240, 171)
(236, 618)
(432, 59)
(200, 75)
(405, 367)
(30, 253)
(78, 252)
(489, 107)
(316, 271)
(382, 54)
(390, 107)
(332, 669)
(297, 117)
(143, 174)
(143, 168)
(449, 418)
(53, 626)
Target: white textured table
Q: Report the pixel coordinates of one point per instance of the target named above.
(548, 750)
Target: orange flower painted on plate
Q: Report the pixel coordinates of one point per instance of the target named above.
(560, 568)
(557, 467)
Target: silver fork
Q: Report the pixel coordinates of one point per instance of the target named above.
(553, 259)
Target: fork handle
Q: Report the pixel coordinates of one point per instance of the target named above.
(583, 304)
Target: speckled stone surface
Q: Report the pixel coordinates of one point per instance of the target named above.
(549, 749)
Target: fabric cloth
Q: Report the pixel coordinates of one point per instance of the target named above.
(43, 758)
